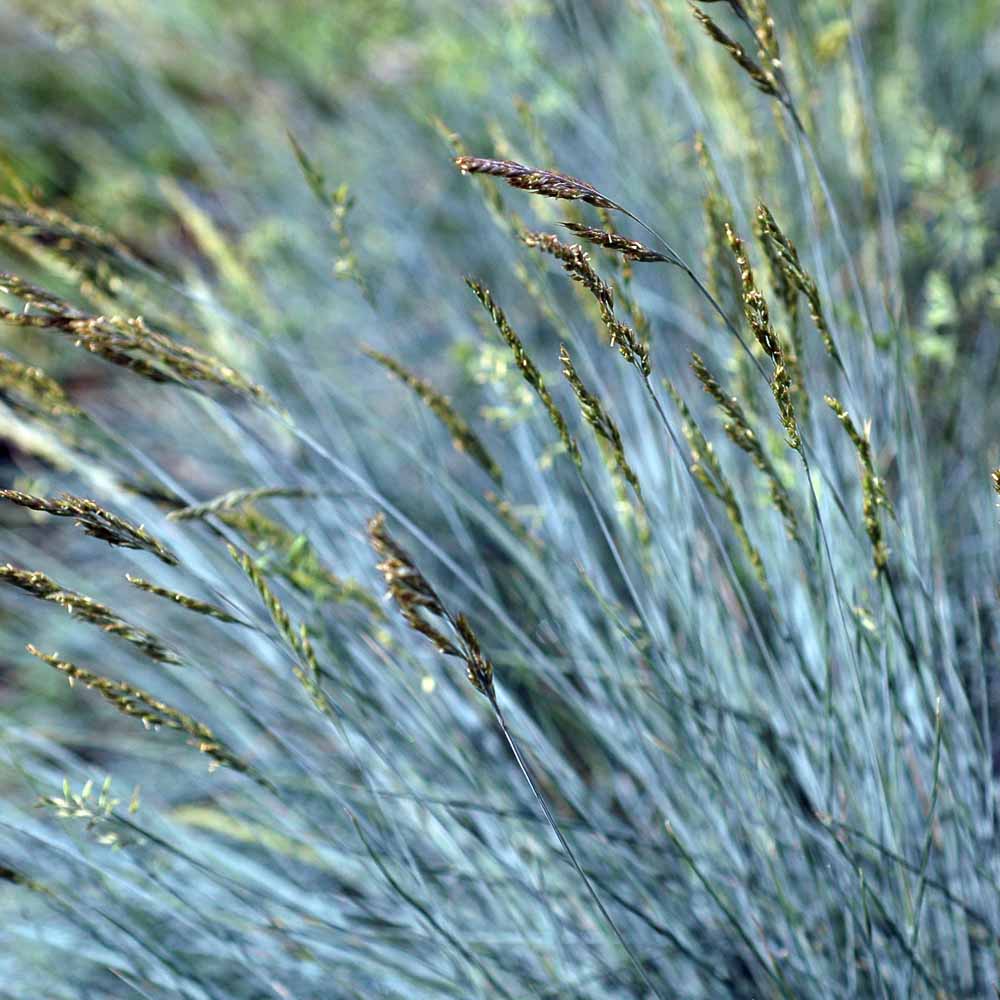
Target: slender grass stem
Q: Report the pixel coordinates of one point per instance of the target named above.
(571, 854)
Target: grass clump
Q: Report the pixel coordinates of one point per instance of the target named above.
(692, 745)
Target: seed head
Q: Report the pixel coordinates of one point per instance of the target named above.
(548, 183)
(629, 249)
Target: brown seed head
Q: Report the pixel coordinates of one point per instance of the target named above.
(629, 249)
(413, 594)
(407, 585)
(576, 262)
(479, 670)
(548, 183)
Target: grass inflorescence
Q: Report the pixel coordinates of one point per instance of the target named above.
(548, 183)
(738, 429)
(126, 341)
(528, 368)
(95, 520)
(874, 499)
(86, 609)
(758, 318)
(603, 426)
(147, 708)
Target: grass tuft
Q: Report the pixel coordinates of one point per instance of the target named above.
(717, 720)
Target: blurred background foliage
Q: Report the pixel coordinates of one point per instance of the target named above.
(168, 123)
(106, 100)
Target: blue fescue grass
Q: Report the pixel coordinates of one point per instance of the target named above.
(744, 778)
